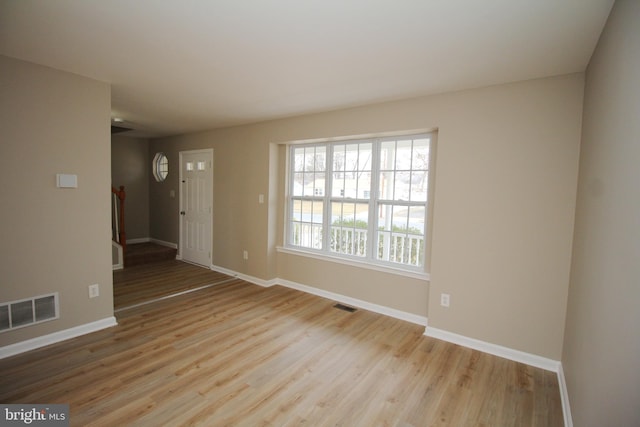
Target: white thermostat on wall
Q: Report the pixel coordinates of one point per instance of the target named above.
(65, 180)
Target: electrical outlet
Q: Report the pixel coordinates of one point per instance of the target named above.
(245, 255)
(94, 290)
(445, 299)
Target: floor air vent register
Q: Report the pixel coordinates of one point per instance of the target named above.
(26, 312)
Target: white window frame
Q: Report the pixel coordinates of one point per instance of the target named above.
(370, 260)
(160, 167)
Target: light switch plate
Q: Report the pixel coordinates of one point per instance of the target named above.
(65, 180)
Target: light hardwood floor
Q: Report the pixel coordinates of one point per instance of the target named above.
(237, 354)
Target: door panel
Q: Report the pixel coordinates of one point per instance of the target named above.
(196, 193)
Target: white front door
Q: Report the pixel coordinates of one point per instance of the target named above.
(196, 194)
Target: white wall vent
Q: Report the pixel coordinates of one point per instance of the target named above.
(25, 312)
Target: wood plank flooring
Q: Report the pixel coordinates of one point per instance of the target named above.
(142, 283)
(237, 354)
(148, 252)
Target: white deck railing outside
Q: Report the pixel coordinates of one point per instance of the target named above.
(392, 246)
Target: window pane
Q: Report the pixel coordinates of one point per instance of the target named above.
(339, 182)
(315, 159)
(338, 186)
(386, 185)
(308, 171)
(306, 223)
(296, 210)
(402, 186)
(419, 186)
(320, 159)
(352, 170)
(364, 160)
(387, 155)
(319, 184)
(163, 167)
(309, 184)
(298, 184)
(351, 159)
(416, 220)
(309, 159)
(403, 155)
(349, 223)
(364, 185)
(401, 234)
(420, 159)
(298, 159)
(410, 161)
(339, 159)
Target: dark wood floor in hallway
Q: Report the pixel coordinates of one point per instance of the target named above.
(237, 354)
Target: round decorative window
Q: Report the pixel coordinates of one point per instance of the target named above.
(160, 167)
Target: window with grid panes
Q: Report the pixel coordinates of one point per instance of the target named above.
(362, 199)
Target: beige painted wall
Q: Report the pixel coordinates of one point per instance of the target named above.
(601, 357)
(131, 167)
(506, 174)
(54, 239)
(506, 178)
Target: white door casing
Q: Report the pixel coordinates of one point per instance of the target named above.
(196, 207)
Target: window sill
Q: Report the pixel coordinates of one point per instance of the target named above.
(355, 263)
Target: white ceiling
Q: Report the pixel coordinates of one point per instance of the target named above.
(188, 65)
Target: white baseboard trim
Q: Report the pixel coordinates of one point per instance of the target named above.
(138, 240)
(118, 266)
(32, 344)
(365, 305)
(511, 354)
(564, 397)
(163, 243)
(496, 350)
(245, 277)
(152, 240)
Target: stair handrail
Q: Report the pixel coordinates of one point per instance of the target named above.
(121, 235)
